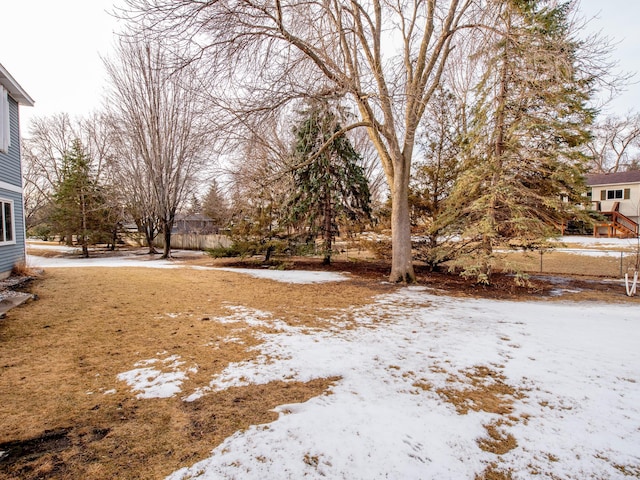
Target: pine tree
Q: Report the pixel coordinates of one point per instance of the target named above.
(195, 205)
(523, 165)
(215, 205)
(329, 184)
(80, 209)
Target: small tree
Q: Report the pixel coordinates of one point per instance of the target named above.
(329, 184)
(49, 140)
(79, 209)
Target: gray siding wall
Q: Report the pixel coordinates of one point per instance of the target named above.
(10, 170)
(11, 173)
(11, 254)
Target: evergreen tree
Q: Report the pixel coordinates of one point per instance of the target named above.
(79, 208)
(329, 183)
(215, 205)
(523, 159)
(195, 205)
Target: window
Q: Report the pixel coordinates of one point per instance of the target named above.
(6, 222)
(613, 194)
(5, 132)
(616, 194)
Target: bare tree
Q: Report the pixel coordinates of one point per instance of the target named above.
(371, 164)
(134, 181)
(387, 57)
(258, 177)
(161, 122)
(615, 144)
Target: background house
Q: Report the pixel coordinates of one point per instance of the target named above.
(194, 223)
(12, 232)
(617, 197)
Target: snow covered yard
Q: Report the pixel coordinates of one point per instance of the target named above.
(447, 388)
(428, 386)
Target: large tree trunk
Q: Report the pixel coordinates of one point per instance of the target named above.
(150, 236)
(166, 234)
(85, 240)
(401, 258)
(147, 226)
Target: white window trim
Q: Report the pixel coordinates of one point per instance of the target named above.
(13, 221)
(5, 123)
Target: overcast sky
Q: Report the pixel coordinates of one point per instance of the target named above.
(53, 47)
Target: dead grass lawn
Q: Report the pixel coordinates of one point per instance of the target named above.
(61, 353)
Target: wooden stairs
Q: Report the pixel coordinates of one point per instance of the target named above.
(616, 225)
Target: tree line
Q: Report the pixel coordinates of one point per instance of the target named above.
(472, 122)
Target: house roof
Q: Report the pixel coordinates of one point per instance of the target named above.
(15, 90)
(595, 179)
(194, 217)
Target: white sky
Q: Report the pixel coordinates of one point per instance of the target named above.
(52, 49)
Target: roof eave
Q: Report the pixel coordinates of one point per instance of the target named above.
(15, 90)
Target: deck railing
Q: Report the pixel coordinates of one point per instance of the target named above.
(618, 223)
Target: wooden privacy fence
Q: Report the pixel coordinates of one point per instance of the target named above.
(194, 241)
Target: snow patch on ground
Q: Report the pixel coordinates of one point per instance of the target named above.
(592, 253)
(247, 318)
(157, 378)
(286, 276)
(127, 261)
(290, 276)
(574, 368)
(599, 242)
(53, 247)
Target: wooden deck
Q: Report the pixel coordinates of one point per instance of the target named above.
(616, 225)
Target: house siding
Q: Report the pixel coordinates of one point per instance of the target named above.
(11, 189)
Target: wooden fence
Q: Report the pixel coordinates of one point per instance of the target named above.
(194, 241)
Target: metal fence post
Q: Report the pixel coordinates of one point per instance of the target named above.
(541, 252)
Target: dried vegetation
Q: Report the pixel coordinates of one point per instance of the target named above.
(65, 414)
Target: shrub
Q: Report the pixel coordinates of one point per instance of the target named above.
(42, 231)
(381, 249)
(249, 248)
(21, 269)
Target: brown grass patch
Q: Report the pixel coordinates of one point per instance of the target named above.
(59, 358)
(492, 472)
(628, 470)
(40, 252)
(567, 263)
(21, 269)
(498, 441)
(483, 390)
